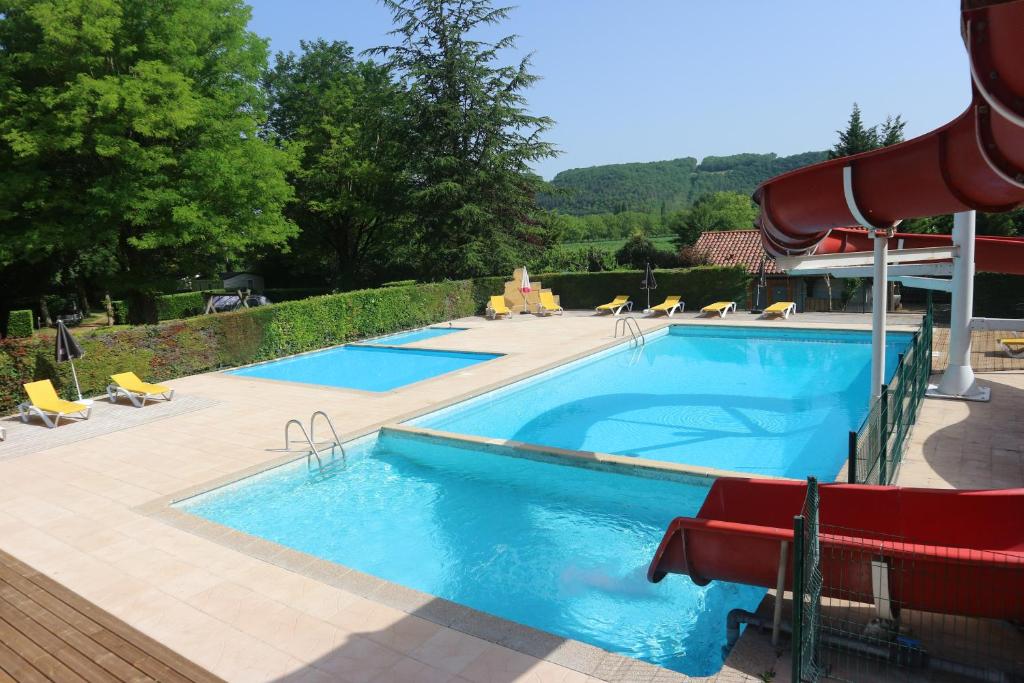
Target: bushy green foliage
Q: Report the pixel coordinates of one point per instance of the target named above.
(183, 347)
(857, 137)
(19, 324)
(567, 259)
(716, 211)
(180, 305)
(399, 283)
(638, 251)
(664, 186)
(279, 294)
(120, 311)
(130, 148)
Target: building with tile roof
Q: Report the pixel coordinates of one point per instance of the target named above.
(743, 248)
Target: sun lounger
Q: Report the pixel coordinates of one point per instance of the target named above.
(129, 385)
(719, 307)
(670, 306)
(616, 305)
(44, 402)
(547, 304)
(780, 308)
(497, 307)
(1013, 346)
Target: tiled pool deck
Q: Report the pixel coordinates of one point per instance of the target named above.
(87, 514)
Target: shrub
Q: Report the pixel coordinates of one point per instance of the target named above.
(184, 347)
(280, 294)
(19, 324)
(399, 283)
(181, 305)
(120, 311)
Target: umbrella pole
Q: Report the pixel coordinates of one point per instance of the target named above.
(75, 375)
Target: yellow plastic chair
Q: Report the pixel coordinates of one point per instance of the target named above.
(129, 385)
(497, 307)
(547, 304)
(719, 307)
(780, 309)
(670, 306)
(44, 402)
(616, 305)
(1013, 346)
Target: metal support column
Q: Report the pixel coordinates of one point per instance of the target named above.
(958, 380)
(879, 306)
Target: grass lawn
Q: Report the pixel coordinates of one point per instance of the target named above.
(663, 242)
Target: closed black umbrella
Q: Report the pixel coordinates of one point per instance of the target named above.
(649, 282)
(67, 351)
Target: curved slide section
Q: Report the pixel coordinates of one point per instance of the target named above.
(950, 552)
(974, 162)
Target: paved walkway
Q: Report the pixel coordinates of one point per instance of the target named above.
(73, 512)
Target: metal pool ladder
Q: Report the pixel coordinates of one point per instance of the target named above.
(309, 438)
(633, 329)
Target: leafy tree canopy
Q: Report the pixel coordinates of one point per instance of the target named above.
(344, 118)
(717, 211)
(128, 138)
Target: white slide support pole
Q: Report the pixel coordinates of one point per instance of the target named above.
(879, 304)
(958, 380)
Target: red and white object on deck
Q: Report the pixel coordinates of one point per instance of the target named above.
(524, 285)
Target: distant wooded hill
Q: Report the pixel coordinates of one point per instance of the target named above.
(665, 186)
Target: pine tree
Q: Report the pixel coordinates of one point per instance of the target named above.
(892, 131)
(856, 138)
(470, 138)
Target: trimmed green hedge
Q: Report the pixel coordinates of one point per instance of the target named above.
(280, 294)
(120, 311)
(181, 305)
(19, 324)
(998, 296)
(698, 286)
(185, 347)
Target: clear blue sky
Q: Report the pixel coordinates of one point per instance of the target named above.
(645, 80)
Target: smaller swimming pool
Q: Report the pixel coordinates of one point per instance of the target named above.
(367, 368)
(411, 336)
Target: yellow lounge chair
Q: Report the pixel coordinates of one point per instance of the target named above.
(616, 305)
(44, 402)
(547, 305)
(1013, 346)
(780, 308)
(670, 306)
(719, 307)
(497, 307)
(129, 385)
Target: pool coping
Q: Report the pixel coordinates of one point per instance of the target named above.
(573, 654)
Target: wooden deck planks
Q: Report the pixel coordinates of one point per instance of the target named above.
(49, 633)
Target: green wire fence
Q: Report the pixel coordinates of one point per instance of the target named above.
(877, 447)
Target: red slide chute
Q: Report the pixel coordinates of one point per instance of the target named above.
(974, 162)
(952, 552)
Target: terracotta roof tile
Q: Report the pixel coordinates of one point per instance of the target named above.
(736, 248)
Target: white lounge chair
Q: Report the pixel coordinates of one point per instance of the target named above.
(719, 307)
(44, 402)
(1013, 346)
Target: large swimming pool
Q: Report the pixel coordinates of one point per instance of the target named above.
(556, 547)
(759, 401)
(564, 548)
(367, 368)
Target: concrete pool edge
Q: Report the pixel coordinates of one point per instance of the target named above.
(607, 462)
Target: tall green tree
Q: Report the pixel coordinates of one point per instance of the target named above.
(857, 137)
(471, 139)
(128, 139)
(715, 211)
(344, 118)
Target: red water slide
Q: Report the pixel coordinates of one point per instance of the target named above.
(947, 551)
(974, 162)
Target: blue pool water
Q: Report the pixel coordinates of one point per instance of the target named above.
(763, 401)
(365, 367)
(415, 335)
(560, 548)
